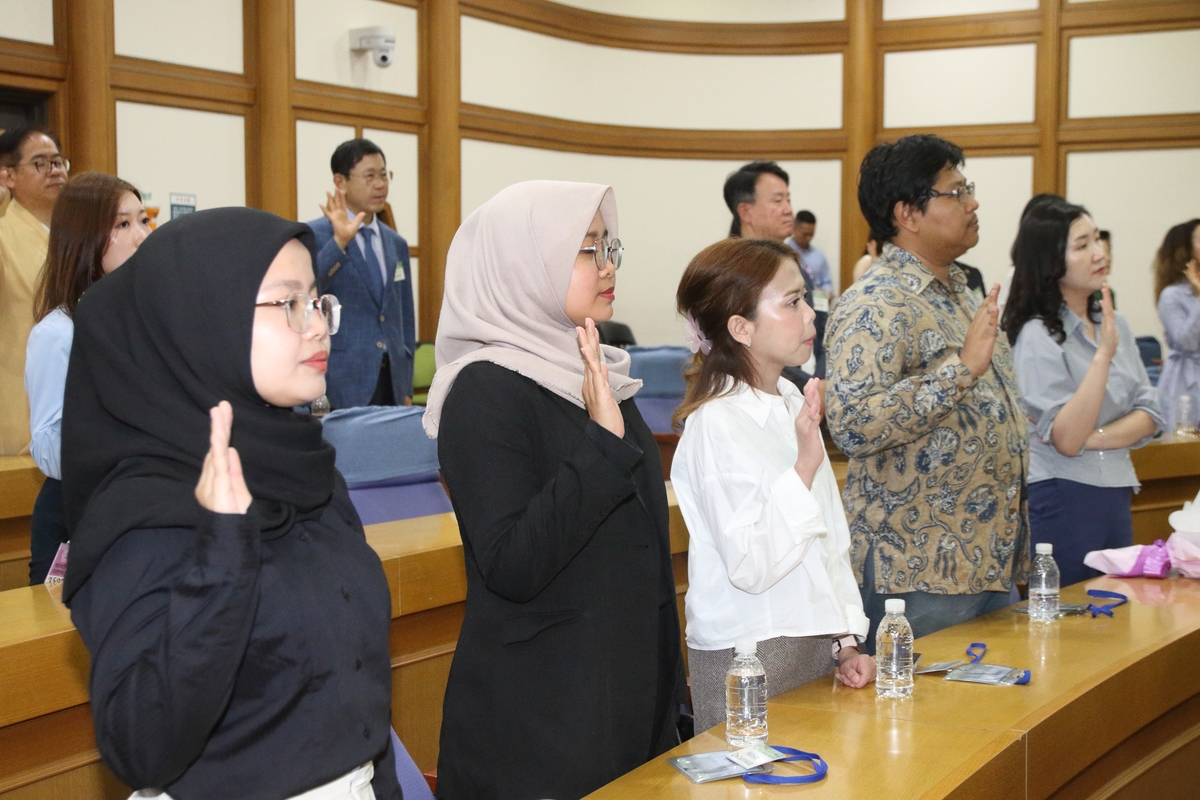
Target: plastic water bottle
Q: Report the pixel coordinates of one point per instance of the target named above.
(894, 653)
(745, 697)
(1043, 585)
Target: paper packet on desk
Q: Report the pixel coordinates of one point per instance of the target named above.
(705, 767)
(989, 673)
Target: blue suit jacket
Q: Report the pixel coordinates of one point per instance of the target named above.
(371, 322)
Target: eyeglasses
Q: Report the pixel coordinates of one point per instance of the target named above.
(47, 165)
(299, 307)
(371, 177)
(604, 251)
(962, 193)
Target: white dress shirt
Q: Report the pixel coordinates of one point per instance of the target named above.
(767, 556)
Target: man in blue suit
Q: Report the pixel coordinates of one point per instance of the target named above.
(365, 264)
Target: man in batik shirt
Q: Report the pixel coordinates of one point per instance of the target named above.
(922, 397)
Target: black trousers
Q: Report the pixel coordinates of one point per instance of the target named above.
(384, 395)
(47, 530)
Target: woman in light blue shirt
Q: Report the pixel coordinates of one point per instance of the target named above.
(1177, 285)
(1085, 389)
(98, 223)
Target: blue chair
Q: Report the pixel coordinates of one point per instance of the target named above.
(413, 784)
(661, 372)
(390, 465)
(1151, 351)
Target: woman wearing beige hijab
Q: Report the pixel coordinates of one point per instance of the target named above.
(568, 671)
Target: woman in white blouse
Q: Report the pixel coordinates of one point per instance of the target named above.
(769, 552)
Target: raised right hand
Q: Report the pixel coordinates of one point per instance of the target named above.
(597, 395)
(976, 352)
(344, 229)
(222, 487)
(810, 450)
(1109, 338)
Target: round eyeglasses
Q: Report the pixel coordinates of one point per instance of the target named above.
(299, 307)
(605, 251)
(45, 166)
(962, 193)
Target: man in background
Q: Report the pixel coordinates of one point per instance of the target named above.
(365, 264)
(33, 172)
(758, 196)
(803, 230)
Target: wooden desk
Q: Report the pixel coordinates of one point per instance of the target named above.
(1113, 710)
(20, 482)
(1169, 469)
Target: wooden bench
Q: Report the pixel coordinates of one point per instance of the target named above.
(20, 482)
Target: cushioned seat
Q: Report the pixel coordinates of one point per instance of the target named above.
(661, 371)
(424, 365)
(389, 464)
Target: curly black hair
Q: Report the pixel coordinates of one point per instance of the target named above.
(901, 171)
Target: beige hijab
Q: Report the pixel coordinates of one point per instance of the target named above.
(507, 275)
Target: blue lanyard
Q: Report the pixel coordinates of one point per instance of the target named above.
(817, 762)
(1107, 608)
(976, 657)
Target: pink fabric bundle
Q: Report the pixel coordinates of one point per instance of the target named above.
(1185, 554)
(1137, 561)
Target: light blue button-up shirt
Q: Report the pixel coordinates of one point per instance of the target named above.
(1049, 374)
(46, 355)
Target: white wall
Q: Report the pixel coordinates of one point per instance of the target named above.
(1003, 185)
(174, 150)
(959, 86)
(517, 70)
(323, 44)
(315, 143)
(28, 20)
(196, 33)
(916, 9)
(668, 210)
(1135, 73)
(719, 10)
(1138, 195)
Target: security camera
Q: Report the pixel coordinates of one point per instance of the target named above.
(379, 39)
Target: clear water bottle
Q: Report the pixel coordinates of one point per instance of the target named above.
(1183, 416)
(1043, 585)
(745, 697)
(894, 653)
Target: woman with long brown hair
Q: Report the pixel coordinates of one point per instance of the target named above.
(769, 554)
(1177, 287)
(98, 222)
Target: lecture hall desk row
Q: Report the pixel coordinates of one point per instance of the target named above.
(1135, 698)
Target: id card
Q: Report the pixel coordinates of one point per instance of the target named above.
(399, 276)
(706, 767)
(989, 673)
(820, 300)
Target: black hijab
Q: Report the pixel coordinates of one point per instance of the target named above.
(157, 344)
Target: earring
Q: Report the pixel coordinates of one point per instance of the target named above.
(747, 344)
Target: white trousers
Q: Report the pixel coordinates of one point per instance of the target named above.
(354, 785)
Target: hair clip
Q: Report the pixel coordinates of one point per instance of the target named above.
(692, 334)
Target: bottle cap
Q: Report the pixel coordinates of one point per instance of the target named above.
(1044, 549)
(746, 646)
(893, 606)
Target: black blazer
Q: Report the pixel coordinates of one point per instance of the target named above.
(568, 671)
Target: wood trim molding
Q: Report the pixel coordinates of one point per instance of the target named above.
(549, 133)
(29, 58)
(275, 118)
(954, 31)
(1161, 130)
(1123, 12)
(358, 106)
(1049, 80)
(636, 33)
(92, 119)
(861, 82)
(975, 137)
(181, 81)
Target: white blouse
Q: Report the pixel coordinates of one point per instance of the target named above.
(767, 557)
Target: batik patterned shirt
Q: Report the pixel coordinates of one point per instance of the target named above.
(938, 457)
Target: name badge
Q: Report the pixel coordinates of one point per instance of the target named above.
(399, 276)
(820, 300)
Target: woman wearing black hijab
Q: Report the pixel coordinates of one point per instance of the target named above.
(236, 617)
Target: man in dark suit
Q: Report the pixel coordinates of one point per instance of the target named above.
(365, 264)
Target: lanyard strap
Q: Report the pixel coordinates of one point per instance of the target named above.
(975, 651)
(818, 763)
(1107, 608)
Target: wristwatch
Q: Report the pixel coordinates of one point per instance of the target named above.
(849, 640)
